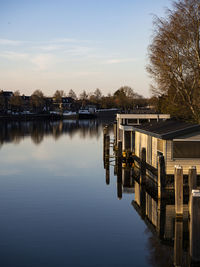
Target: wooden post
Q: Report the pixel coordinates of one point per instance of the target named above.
(107, 146)
(195, 226)
(178, 180)
(119, 151)
(178, 242)
(161, 176)
(115, 133)
(143, 166)
(192, 179)
(124, 141)
(105, 132)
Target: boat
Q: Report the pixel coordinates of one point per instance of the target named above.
(70, 115)
(104, 113)
(86, 114)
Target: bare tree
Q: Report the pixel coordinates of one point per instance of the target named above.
(175, 59)
(72, 94)
(97, 94)
(16, 101)
(37, 100)
(58, 95)
(83, 95)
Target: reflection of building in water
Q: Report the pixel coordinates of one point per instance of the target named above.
(160, 217)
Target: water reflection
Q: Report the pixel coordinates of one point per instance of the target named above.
(16, 131)
(172, 241)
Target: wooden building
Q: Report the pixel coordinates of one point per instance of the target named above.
(178, 142)
(124, 129)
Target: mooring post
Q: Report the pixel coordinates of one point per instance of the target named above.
(192, 178)
(178, 180)
(115, 133)
(105, 132)
(107, 146)
(119, 180)
(143, 166)
(195, 226)
(178, 242)
(161, 176)
(119, 151)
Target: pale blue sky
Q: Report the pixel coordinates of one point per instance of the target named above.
(78, 44)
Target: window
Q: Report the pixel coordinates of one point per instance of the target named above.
(186, 149)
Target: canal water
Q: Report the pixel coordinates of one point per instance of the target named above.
(56, 208)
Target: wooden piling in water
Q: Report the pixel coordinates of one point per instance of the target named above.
(161, 176)
(178, 181)
(105, 133)
(195, 226)
(192, 178)
(143, 166)
(119, 151)
(107, 146)
(119, 179)
(115, 133)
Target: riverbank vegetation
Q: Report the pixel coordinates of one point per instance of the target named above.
(124, 98)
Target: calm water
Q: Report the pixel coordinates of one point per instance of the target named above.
(55, 206)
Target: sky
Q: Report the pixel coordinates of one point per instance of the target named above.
(76, 44)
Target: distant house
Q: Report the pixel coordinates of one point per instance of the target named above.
(63, 103)
(178, 142)
(6, 95)
(26, 102)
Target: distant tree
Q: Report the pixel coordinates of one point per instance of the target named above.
(37, 100)
(83, 95)
(58, 95)
(16, 101)
(72, 94)
(98, 94)
(2, 100)
(175, 59)
(124, 97)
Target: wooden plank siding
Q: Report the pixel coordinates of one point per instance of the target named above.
(151, 145)
(185, 163)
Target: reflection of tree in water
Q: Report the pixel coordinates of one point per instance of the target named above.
(17, 131)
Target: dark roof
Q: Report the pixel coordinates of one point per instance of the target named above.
(142, 111)
(167, 129)
(7, 93)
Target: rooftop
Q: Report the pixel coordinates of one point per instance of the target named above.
(167, 129)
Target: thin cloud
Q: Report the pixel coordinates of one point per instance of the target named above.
(120, 60)
(11, 55)
(10, 42)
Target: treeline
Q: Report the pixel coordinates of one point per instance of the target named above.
(124, 98)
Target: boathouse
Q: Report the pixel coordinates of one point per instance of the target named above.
(178, 142)
(124, 129)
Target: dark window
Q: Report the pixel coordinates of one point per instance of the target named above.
(184, 149)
